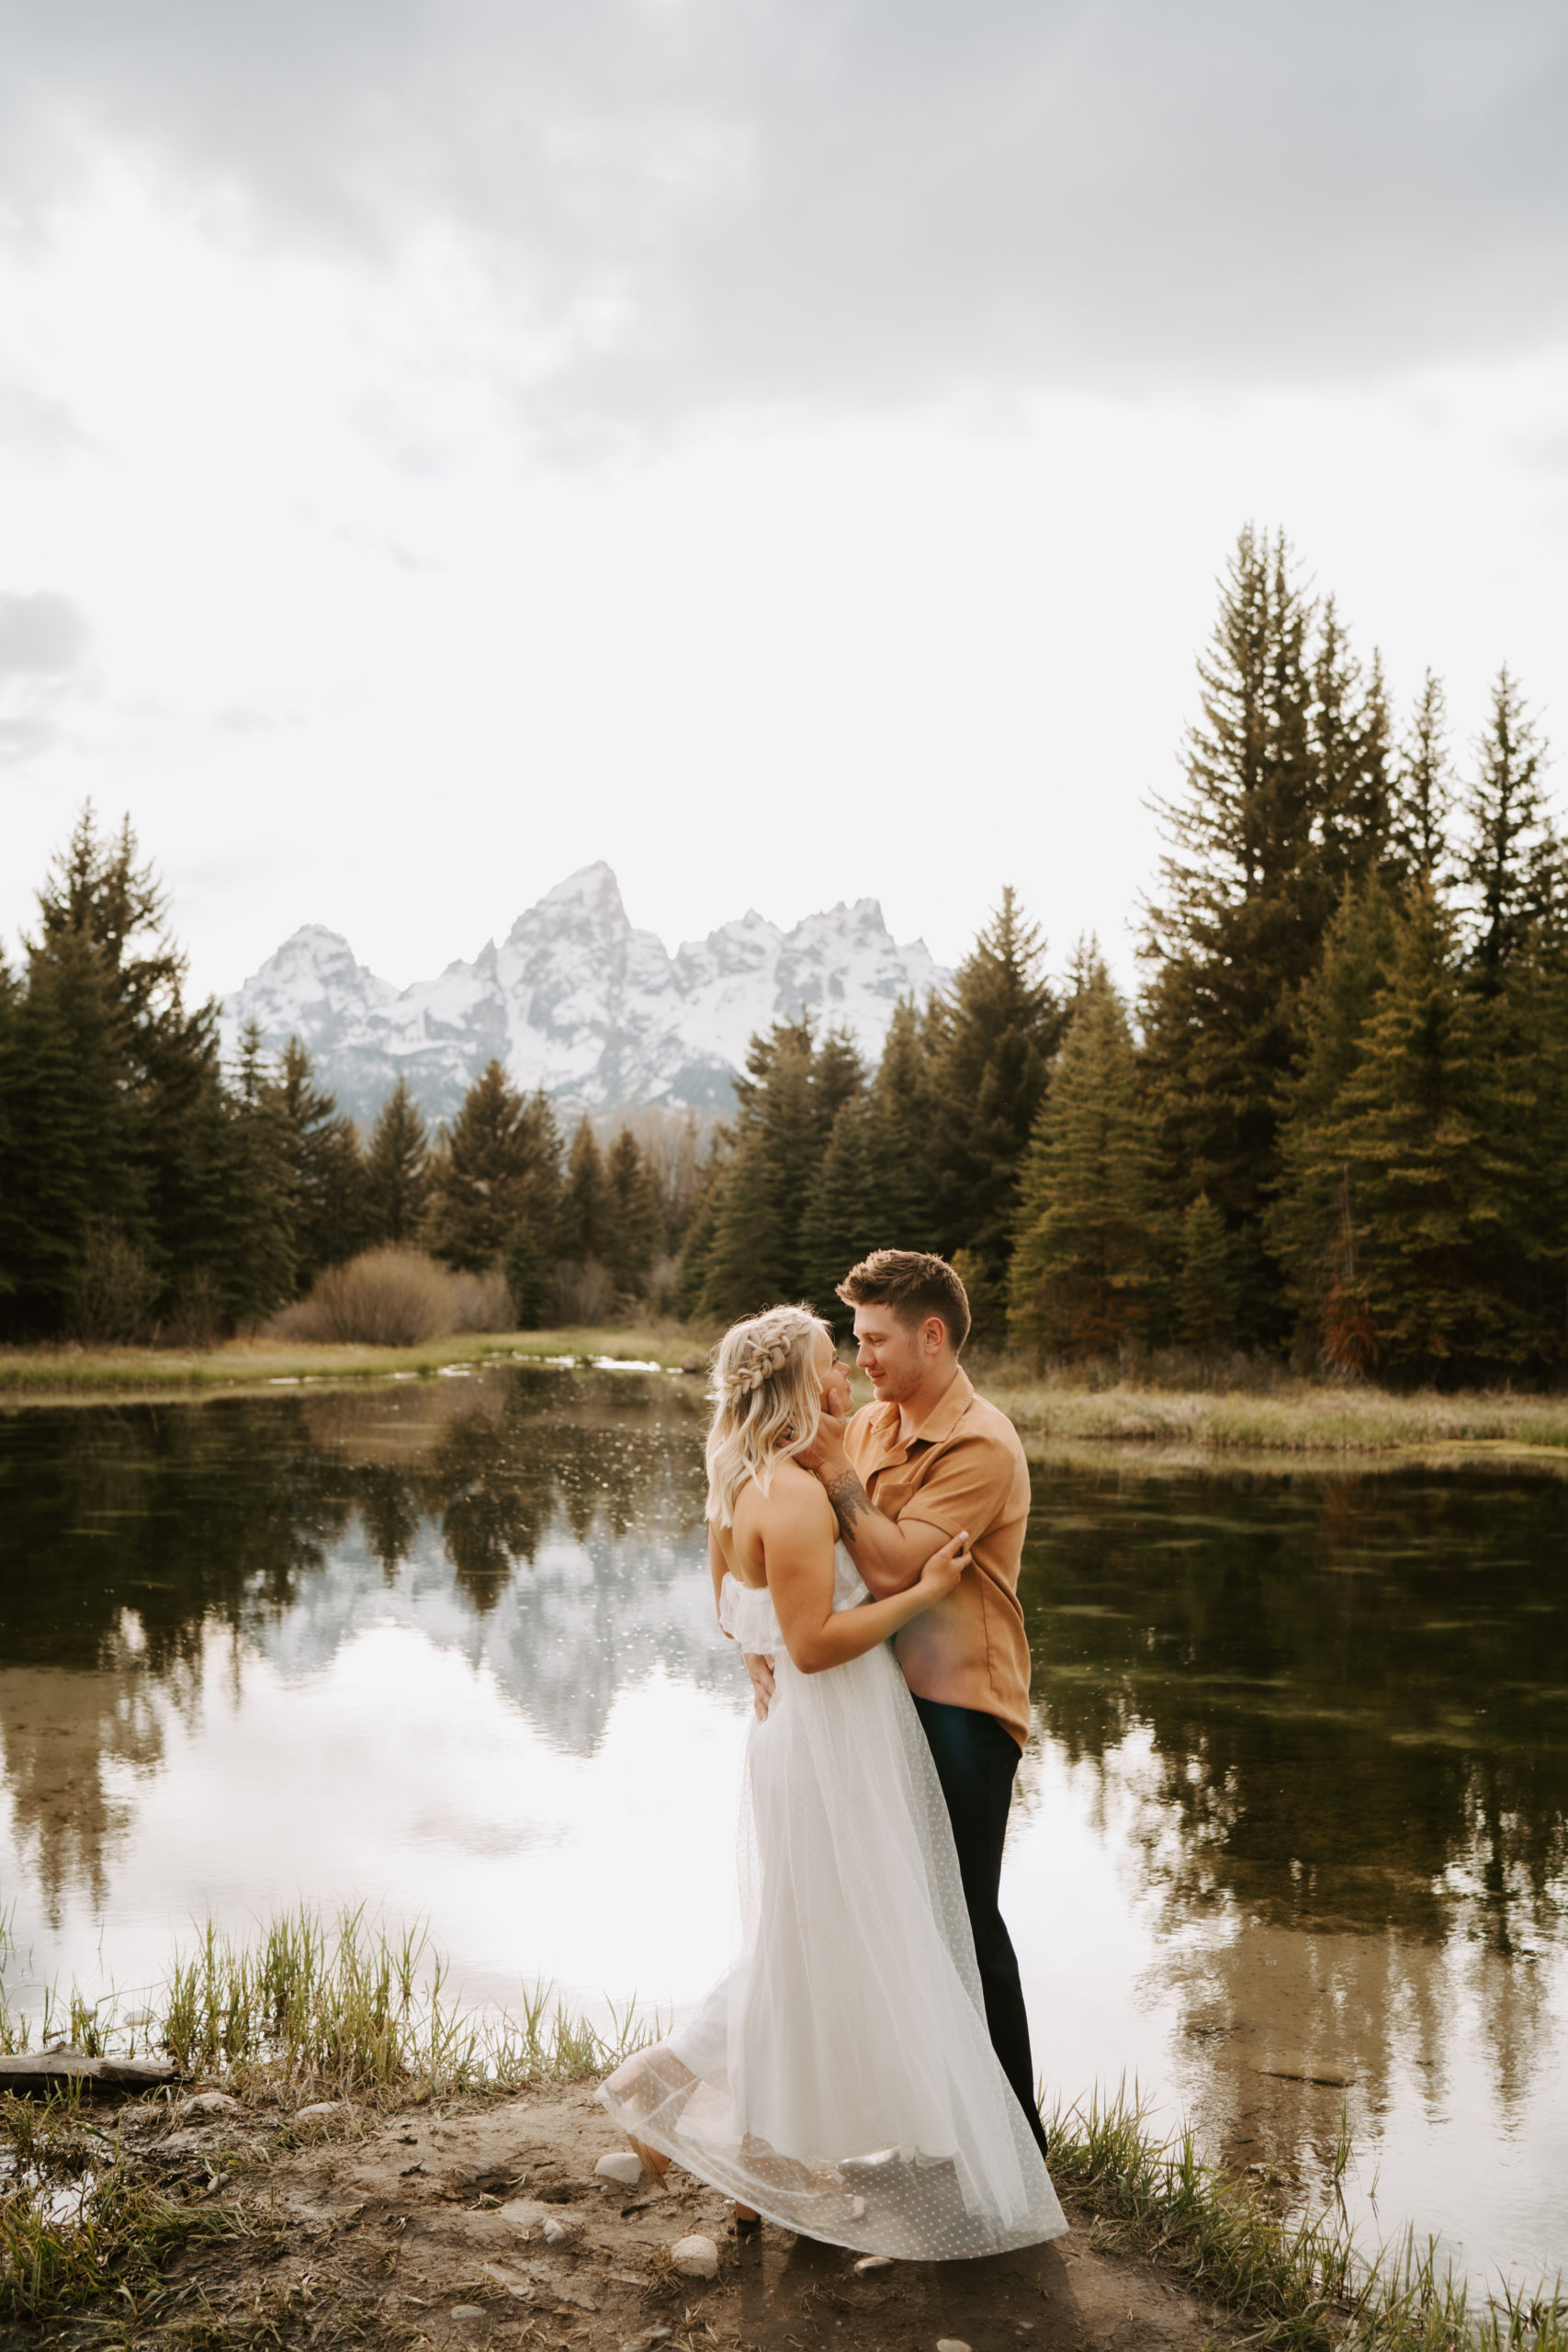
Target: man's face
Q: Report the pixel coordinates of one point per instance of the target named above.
(890, 1352)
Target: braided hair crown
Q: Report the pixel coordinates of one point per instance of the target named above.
(763, 1358)
(767, 1401)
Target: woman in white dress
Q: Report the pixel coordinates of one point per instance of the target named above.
(840, 2078)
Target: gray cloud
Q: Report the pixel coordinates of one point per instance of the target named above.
(43, 636)
(871, 199)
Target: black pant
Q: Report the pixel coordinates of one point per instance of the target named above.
(976, 1760)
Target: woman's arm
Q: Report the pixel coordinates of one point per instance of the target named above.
(719, 1569)
(798, 1551)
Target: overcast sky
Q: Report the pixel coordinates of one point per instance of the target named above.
(784, 450)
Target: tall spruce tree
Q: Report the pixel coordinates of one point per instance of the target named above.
(846, 1213)
(498, 1167)
(991, 1041)
(636, 1221)
(584, 1227)
(396, 1170)
(1427, 1191)
(163, 1217)
(1083, 1280)
(753, 1252)
(1425, 788)
(1207, 1291)
(1246, 886)
(1307, 1227)
(331, 1215)
(900, 1142)
(259, 1268)
(74, 1158)
(1511, 853)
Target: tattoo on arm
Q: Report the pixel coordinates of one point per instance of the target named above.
(850, 1501)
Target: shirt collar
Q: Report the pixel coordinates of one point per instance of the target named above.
(955, 1402)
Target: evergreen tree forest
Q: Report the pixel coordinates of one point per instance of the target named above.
(150, 1191)
(1329, 1129)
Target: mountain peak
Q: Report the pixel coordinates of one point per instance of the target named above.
(579, 1002)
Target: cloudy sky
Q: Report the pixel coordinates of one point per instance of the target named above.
(784, 450)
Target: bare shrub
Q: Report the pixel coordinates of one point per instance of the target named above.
(383, 1298)
(483, 1302)
(584, 1292)
(113, 1290)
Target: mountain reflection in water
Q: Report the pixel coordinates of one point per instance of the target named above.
(1297, 1806)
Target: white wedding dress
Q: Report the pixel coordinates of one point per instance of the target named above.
(839, 2077)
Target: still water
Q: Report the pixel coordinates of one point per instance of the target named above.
(1295, 1806)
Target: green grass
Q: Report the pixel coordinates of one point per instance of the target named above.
(303, 2012)
(1297, 1417)
(52, 1375)
(1294, 2283)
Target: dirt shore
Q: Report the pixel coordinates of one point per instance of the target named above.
(461, 2223)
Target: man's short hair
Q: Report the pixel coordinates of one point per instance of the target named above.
(914, 1284)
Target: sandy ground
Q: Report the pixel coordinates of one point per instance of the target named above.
(429, 2227)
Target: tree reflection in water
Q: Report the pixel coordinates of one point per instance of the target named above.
(1338, 1703)
(1335, 1703)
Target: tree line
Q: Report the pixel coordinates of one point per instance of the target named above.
(1331, 1124)
(148, 1189)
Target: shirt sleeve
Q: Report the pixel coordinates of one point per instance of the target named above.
(969, 1485)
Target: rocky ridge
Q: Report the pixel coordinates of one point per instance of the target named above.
(578, 1002)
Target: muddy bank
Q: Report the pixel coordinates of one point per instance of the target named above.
(486, 2224)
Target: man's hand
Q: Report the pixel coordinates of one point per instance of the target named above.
(761, 1669)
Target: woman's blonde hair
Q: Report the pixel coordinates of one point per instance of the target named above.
(767, 1401)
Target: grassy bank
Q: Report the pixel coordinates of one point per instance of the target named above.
(304, 2015)
(99, 2216)
(56, 1375)
(1296, 2281)
(1297, 1417)
(1280, 1415)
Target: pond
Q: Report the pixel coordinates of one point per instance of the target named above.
(1291, 1832)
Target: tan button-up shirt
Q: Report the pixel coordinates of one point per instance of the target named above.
(965, 1469)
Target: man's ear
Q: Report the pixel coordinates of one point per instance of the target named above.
(935, 1333)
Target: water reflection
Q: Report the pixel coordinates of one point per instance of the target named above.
(1291, 1832)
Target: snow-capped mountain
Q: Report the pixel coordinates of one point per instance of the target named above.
(576, 1000)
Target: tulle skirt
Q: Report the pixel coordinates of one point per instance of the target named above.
(839, 2077)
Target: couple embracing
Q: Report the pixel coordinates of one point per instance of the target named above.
(861, 2074)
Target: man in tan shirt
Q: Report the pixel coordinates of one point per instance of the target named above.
(928, 1459)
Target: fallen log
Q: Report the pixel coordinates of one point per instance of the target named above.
(32, 2071)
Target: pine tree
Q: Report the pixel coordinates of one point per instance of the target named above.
(1511, 853)
(1306, 1225)
(1248, 881)
(899, 1144)
(1083, 1277)
(74, 1162)
(527, 1278)
(330, 1220)
(101, 904)
(791, 1094)
(499, 1167)
(396, 1170)
(1207, 1290)
(846, 1215)
(991, 1044)
(257, 1267)
(635, 1220)
(1428, 1196)
(1425, 792)
(1350, 740)
(583, 1231)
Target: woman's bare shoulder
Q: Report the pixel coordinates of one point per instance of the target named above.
(795, 1503)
